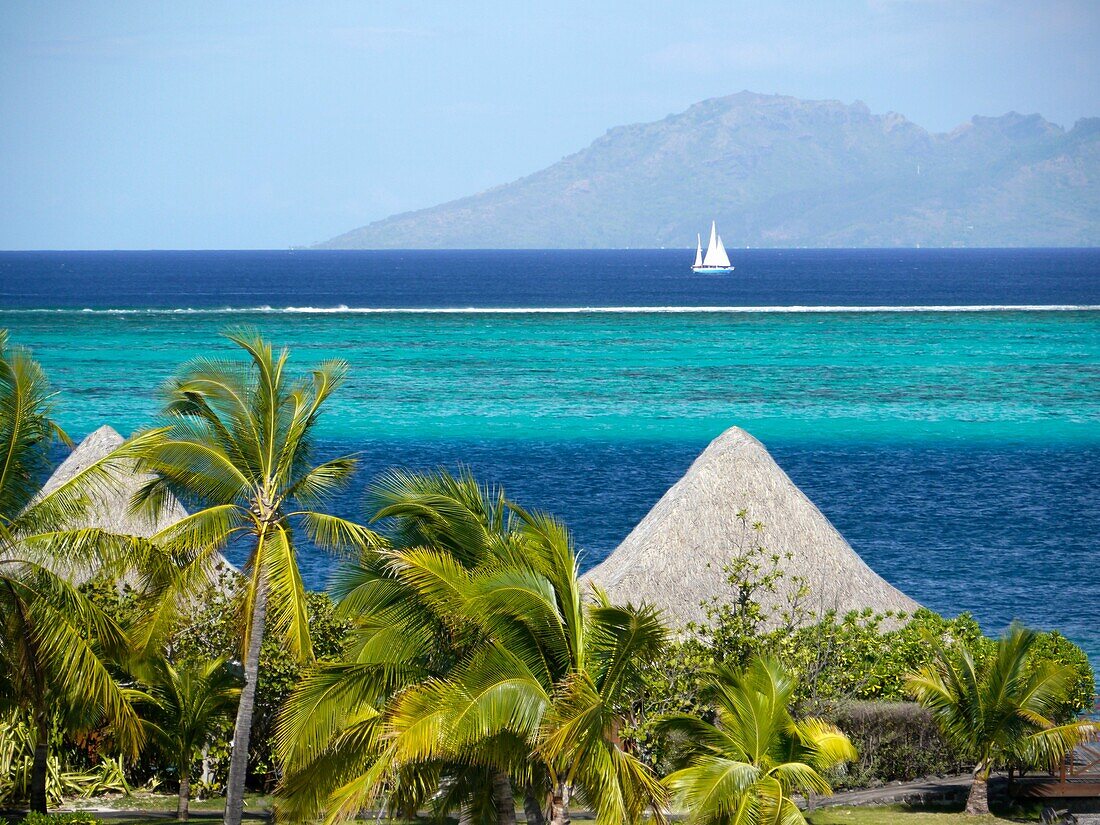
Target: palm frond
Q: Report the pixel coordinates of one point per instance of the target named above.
(999, 710)
(622, 640)
(318, 484)
(287, 607)
(717, 790)
(26, 427)
(335, 533)
(65, 633)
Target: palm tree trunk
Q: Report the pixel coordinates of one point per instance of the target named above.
(238, 764)
(38, 776)
(559, 805)
(532, 808)
(41, 764)
(978, 800)
(503, 798)
(185, 796)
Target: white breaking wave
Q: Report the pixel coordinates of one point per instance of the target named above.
(346, 310)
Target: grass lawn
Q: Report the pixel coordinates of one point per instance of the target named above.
(163, 803)
(158, 809)
(904, 815)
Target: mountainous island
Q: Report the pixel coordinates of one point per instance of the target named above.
(782, 172)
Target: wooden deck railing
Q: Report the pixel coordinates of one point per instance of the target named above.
(1078, 775)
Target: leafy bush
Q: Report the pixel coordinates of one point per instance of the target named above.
(866, 655)
(17, 743)
(214, 633)
(1055, 647)
(897, 741)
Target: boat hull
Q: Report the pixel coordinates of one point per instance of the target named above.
(712, 270)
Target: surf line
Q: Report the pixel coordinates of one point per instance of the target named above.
(594, 310)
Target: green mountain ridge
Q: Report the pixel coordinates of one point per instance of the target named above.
(782, 172)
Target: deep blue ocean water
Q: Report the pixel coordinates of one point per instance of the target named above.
(958, 451)
(547, 278)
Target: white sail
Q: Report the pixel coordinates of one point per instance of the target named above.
(720, 256)
(711, 258)
(698, 250)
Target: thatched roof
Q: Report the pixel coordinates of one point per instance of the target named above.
(112, 512)
(673, 559)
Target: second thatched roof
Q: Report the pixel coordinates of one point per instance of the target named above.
(674, 558)
(111, 511)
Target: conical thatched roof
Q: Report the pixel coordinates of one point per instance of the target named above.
(673, 559)
(112, 513)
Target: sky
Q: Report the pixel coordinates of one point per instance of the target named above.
(167, 125)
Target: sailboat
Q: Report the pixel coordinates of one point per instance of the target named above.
(716, 260)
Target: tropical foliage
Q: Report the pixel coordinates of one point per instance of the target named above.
(474, 665)
(17, 750)
(238, 441)
(852, 668)
(999, 710)
(190, 699)
(746, 766)
(55, 644)
(213, 631)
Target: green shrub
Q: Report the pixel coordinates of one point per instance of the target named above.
(214, 633)
(851, 668)
(897, 741)
(1055, 647)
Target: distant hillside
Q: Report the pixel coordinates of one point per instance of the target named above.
(778, 171)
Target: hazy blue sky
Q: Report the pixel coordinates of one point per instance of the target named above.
(232, 125)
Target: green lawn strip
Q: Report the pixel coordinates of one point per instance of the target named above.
(159, 809)
(164, 803)
(905, 815)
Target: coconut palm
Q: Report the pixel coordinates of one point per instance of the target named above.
(477, 665)
(556, 675)
(55, 643)
(745, 767)
(1000, 709)
(191, 699)
(332, 727)
(238, 443)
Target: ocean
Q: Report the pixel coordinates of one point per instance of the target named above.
(941, 407)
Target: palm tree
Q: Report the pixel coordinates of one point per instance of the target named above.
(190, 700)
(1000, 709)
(556, 674)
(54, 641)
(238, 442)
(332, 726)
(745, 767)
(476, 664)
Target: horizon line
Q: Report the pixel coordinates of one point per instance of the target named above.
(321, 248)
